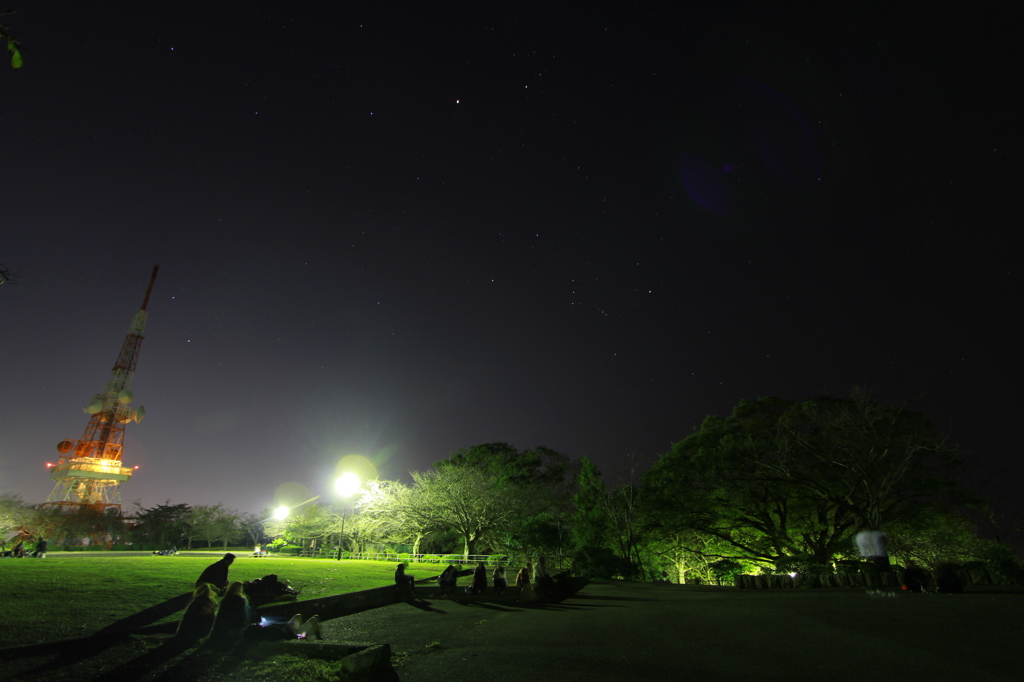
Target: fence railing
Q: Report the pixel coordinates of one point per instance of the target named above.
(489, 560)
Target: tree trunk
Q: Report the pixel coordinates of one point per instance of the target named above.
(416, 543)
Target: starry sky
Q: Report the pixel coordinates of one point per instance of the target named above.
(394, 233)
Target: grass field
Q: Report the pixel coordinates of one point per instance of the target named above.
(75, 594)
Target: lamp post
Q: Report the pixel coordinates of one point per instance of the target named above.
(346, 485)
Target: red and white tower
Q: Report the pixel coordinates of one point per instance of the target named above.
(90, 469)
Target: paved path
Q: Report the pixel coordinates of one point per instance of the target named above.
(625, 631)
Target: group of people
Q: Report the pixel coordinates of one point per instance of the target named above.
(530, 579)
(18, 551)
(220, 610)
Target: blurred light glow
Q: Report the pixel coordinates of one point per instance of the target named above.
(281, 513)
(347, 484)
(359, 465)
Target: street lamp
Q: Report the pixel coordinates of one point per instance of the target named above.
(346, 486)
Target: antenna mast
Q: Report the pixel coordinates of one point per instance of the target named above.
(90, 469)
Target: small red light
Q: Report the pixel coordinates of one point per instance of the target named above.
(136, 466)
(48, 465)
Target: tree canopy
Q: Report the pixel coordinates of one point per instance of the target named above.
(778, 479)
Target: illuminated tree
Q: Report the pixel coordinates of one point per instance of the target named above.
(463, 499)
(390, 513)
(13, 514)
(542, 480)
(255, 525)
(778, 480)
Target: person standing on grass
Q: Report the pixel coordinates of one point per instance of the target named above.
(40, 552)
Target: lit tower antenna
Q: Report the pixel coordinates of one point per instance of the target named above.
(89, 471)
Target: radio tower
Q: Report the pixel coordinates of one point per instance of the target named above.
(90, 470)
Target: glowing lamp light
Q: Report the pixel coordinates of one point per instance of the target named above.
(49, 464)
(281, 513)
(136, 466)
(347, 484)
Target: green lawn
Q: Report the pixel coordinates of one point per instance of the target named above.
(75, 594)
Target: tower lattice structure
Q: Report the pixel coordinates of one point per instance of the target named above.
(90, 470)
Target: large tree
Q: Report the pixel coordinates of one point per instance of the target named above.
(255, 524)
(777, 480)
(463, 499)
(211, 522)
(389, 512)
(590, 523)
(159, 526)
(540, 480)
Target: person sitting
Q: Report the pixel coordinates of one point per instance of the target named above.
(233, 618)
(448, 579)
(40, 552)
(404, 582)
(216, 574)
(479, 579)
(269, 589)
(523, 582)
(541, 577)
(498, 578)
(197, 621)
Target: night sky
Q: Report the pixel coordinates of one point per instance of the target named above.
(395, 234)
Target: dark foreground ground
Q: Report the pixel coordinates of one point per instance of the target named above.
(626, 631)
(618, 631)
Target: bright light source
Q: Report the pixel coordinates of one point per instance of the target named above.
(347, 484)
(281, 513)
(49, 464)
